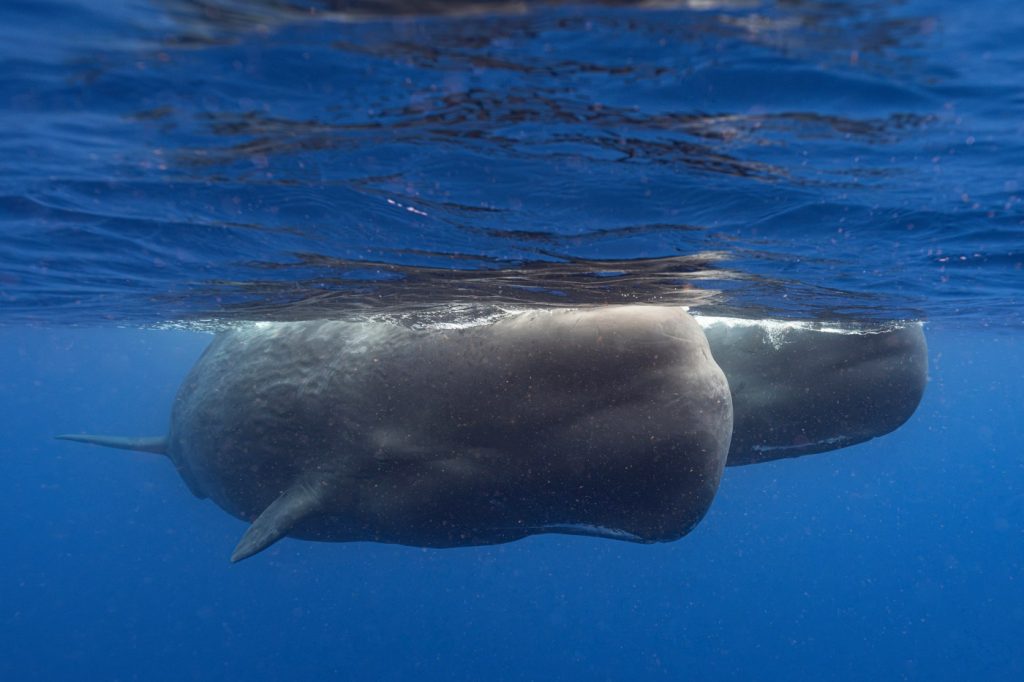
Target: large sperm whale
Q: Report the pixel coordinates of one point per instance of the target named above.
(610, 421)
(801, 388)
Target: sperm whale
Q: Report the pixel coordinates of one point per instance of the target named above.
(611, 421)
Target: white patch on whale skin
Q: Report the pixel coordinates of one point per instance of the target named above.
(833, 443)
(591, 531)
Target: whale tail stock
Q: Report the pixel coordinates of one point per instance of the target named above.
(155, 444)
(302, 499)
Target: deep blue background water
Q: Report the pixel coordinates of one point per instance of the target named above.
(185, 164)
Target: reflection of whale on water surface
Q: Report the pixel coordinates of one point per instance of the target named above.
(613, 422)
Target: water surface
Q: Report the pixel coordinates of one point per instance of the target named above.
(265, 160)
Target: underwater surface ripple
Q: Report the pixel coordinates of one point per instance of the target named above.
(270, 160)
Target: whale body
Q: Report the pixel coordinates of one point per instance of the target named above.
(804, 388)
(614, 422)
(610, 421)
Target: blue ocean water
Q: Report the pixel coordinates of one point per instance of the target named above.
(168, 167)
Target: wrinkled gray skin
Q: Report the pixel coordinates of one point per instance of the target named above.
(798, 391)
(612, 421)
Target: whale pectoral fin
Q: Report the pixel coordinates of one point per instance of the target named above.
(155, 444)
(294, 504)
